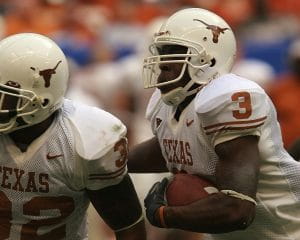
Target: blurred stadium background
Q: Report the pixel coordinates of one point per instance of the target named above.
(106, 40)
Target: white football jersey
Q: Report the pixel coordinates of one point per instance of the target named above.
(229, 107)
(42, 190)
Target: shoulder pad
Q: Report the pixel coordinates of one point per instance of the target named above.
(215, 93)
(95, 130)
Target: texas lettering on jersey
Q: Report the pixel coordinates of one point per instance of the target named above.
(22, 181)
(178, 151)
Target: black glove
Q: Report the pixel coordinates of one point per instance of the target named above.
(154, 200)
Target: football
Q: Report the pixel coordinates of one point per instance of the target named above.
(184, 189)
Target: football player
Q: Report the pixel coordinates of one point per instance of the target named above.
(210, 122)
(57, 155)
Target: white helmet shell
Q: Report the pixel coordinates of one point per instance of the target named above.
(210, 42)
(34, 70)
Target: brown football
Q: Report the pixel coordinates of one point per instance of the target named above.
(184, 189)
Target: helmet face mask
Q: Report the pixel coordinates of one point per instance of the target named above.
(16, 103)
(210, 44)
(151, 66)
(33, 80)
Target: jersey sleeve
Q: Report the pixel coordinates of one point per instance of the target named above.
(107, 170)
(100, 147)
(228, 113)
(153, 106)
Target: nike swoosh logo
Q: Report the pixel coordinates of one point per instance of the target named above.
(49, 156)
(188, 123)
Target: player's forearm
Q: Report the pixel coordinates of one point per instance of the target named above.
(136, 232)
(216, 214)
(146, 157)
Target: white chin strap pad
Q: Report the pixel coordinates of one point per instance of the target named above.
(177, 95)
(174, 97)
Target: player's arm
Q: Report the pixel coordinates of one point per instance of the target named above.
(146, 157)
(119, 207)
(220, 212)
(110, 189)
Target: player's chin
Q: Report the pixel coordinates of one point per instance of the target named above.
(165, 89)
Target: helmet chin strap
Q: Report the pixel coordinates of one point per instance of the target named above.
(177, 95)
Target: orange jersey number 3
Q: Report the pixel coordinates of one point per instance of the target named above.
(244, 103)
(122, 147)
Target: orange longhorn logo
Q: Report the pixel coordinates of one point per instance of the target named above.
(158, 34)
(47, 74)
(216, 31)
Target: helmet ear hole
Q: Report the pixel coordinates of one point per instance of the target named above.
(45, 102)
(212, 62)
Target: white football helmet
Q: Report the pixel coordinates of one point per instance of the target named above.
(34, 74)
(210, 43)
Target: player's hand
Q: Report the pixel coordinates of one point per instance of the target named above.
(155, 201)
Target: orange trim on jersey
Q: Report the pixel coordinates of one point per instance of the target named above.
(161, 217)
(235, 122)
(108, 175)
(234, 128)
